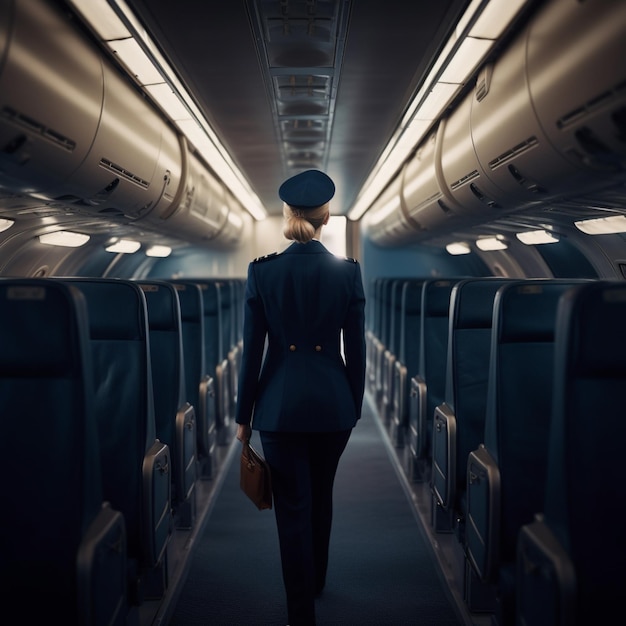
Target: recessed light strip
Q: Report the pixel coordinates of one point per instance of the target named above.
(476, 33)
(119, 29)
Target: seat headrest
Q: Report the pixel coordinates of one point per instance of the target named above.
(41, 325)
(437, 298)
(162, 304)
(596, 316)
(116, 308)
(527, 310)
(473, 302)
(190, 299)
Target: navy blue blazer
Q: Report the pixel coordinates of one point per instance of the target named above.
(300, 301)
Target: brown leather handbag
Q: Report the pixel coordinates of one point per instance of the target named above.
(254, 477)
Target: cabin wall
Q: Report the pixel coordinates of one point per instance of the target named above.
(199, 263)
(416, 261)
(268, 237)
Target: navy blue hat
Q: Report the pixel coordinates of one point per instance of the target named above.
(307, 190)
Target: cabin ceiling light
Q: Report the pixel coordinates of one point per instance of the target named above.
(159, 251)
(125, 246)
(470, 53)
(491, 243)
(439, 96)
(535, 237)
(65, 238)
(163, 94)
(493, 20)
(116, 25)
(603, 225)
(133, 57)
(475, 35)
(5, 224)
(457, 248)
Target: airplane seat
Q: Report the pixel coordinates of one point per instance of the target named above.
(382, 348)
(406, 364)
(391, 354)
(427, 386)
(459, 421)
(135, 465)
(236, 335)
(227, 302)
(376, 344)
(241, 290)
(199, 385)
(570, 559)
(506, 473)
(379, 345)
(369, 328)
(175, 416)
(216, 364)
(372, 332)
(62, 545)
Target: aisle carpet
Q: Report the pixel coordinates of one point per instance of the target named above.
(381, 570)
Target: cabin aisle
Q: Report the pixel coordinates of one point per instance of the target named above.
(381, 570)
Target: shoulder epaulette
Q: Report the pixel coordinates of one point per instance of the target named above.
(349, 259)
(264, 258)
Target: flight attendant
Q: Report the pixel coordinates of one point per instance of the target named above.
(303, 396)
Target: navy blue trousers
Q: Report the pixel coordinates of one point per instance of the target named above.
(303, 467)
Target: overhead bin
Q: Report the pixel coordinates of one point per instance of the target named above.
(544, 117)
(134, 159)
(545, 122)
(462, 172)
(51, 93)
(76, 132)
(202, 209)
(72, 128)
(386, 221)
(510, 143)
(231, 232)
(428, 203)
(576, 51)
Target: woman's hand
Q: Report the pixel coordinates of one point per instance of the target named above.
(243, 432)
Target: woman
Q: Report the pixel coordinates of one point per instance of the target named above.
(305, 399)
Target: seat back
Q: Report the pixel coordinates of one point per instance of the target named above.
(235, 352)
(506, 477)
(229, 357)
(407, 362)
(570, 565)
(212, 308)
(372, 332)
(135, 465)
(59, 539)
(460, 420)
(198, 383)
(214, 356)
(429, 382)
(379, 338)
(393, 347)
(175, 419)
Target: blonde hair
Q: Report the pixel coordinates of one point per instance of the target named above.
(301, 224)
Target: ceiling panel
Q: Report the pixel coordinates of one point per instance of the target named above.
(289, 85)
